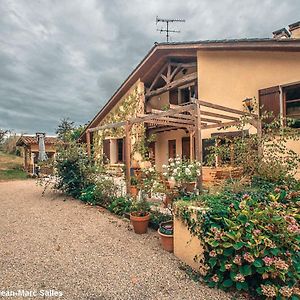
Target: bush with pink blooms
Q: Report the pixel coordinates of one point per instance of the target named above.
(254, 245)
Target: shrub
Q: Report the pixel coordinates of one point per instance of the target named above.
(88, 194)
(158, 217)
(74, 169)
(105, 191)
(252, 244)
(120, 206)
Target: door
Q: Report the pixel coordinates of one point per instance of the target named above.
(172, 148)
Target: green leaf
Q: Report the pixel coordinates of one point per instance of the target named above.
(238, 245)
(228, 252)
(227, 245)
(239, 286)
(227, 283)
(212, 262)
(275, 251)
(243, 219)
(258, 263)
(246, 270)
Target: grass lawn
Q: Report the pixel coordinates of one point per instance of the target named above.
(11, 167)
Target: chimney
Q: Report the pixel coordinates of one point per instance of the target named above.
(281, 34)
(295, 30)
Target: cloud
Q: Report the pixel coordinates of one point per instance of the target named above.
(66, 58)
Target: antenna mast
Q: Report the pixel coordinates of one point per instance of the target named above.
(166, 29)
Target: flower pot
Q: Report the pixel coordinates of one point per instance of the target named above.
(134, 190)
(189, 186)
(140, 224)
(166, 239)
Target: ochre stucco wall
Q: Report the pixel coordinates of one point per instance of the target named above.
(228, 77)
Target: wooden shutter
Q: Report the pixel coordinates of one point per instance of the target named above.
(173, 96)
(106, 151)
(172, 148)
(186, 153)
(269, 101)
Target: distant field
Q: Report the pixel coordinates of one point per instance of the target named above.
(11, 167)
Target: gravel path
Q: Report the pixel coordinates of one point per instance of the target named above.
(84, 252)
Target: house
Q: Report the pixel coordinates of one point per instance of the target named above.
(158, 96)
(30, 149)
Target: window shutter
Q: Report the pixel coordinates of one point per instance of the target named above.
(269, 101)
(106, 150)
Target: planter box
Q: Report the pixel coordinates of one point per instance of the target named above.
(186, 246)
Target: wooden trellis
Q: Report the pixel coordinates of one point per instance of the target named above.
(194, 117)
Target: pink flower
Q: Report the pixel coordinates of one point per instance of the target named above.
(213, 253)
(268, 261)
(256, 232)
(293, 228)
(228, 266)
(238, 260)
(215, 278)
(245, 197)
(281, 264)
(248, 257)
(239, 277)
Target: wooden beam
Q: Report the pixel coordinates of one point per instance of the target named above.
(163, 129)
(211, 120)
(186, 79)
(221, 125)
(221, 116)
(88, 143)
(127, 156)
(162, 122)
(158, 75)
(223, 108)
(111, 125)
(177, 120)
(198, 138)
(191, 146)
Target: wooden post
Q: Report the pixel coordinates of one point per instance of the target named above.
(88, 142)
(191, 146)
(259, 138)
(198, 138)
(25, 159)
(127, 155)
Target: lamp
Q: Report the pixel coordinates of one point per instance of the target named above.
(248, 103)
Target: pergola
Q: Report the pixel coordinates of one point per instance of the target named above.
(194, 117)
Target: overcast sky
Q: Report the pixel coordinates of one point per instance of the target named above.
(66, 58)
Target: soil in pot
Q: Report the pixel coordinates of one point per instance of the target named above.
(140, 224)
(165, 232)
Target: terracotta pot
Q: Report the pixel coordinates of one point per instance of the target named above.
(166, 239)
(140, 224)
(134, 191)
(189, 186)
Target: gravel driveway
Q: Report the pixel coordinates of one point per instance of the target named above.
(47, 244)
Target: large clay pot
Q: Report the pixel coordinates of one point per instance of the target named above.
(140, 224)
(166, 239)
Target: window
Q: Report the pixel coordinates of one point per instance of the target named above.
(186, 93)
(106, 151)
(186, 151)
(120, 150)
(172, 148)
(291, 96)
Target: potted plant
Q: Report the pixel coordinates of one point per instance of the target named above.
(140, 216)
(134, 187)
(165, 232)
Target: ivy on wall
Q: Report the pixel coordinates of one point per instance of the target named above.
(129, 107)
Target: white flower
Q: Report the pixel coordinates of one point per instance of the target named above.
(178, 162)
(164, 166)
(172, 164)
(172, 178)
(151, 169)
(198, 163)
(174, 171)
(170, 159)
(198, 172)
(165, 174)
(188, 171)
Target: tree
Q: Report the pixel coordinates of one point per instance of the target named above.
(3, 132)
(67, 131)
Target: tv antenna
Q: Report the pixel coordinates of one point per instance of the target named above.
(166, 29)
